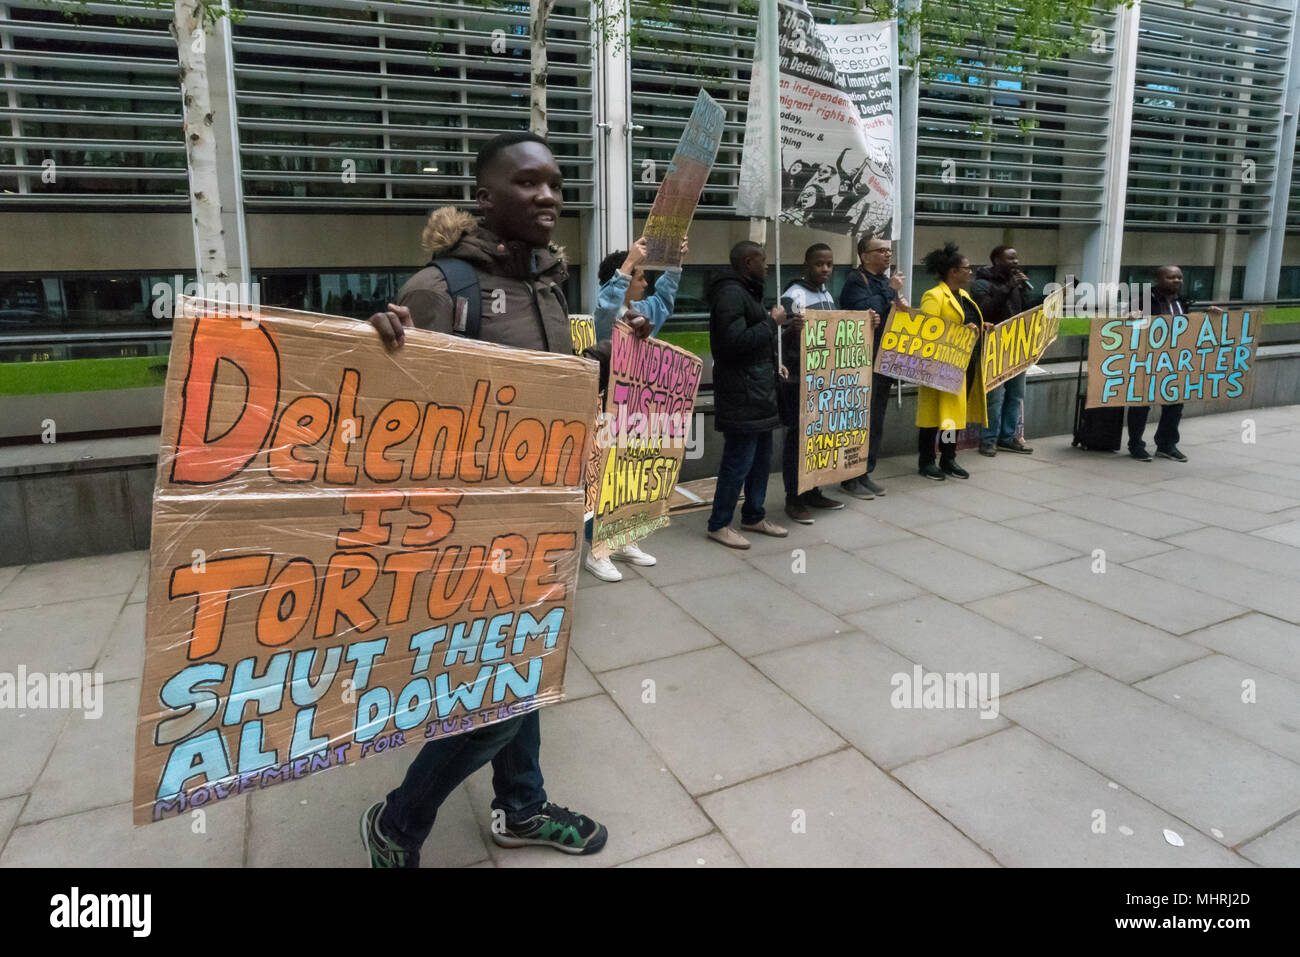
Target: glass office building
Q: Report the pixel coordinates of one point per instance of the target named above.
(345, 121)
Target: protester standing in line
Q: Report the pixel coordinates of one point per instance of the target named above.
(622, 286)
(937, 410)
(870, 286)
(1166, 300)
(1002, 291)
(742, 338)
(807, 292)
(519, 193)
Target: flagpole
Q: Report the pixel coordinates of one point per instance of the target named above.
(769, 29)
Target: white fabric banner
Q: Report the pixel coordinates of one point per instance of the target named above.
(839, 134)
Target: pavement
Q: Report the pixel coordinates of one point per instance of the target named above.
(728, 708)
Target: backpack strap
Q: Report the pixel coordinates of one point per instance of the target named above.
(462, 286)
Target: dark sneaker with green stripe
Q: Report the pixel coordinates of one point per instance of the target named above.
(382, 851)
(556, 827)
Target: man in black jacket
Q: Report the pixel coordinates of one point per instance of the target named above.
(871, 287)
(1166, 300)
(1001, 292)
(742, 337)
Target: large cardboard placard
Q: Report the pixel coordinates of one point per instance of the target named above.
(648, 410)
(1019, 342)
(679, 193)
(352, 550)
(1165, 360)
(927, 350)
(834, 415)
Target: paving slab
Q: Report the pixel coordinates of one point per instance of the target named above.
(942, 570)
(906, 510)
(8, 573)
(1131, 592)
(58, 637)
(26, 740)
(629, 622)
(57, 582)
(752, 613)
(1245, 699)
(715, 719)
(945, 637)
(123, 656)
(1030, 487)
(1126, 516)
(316, 823)
(86, 769)
(1258, 640)
(848, 682)
(9, 808)
(851, 530)
(1247, 587)
(105, 838)
(990, 542)
(1200, 510)
(1271, 558)
(1288, 533)
(1102, 639)
(973, 500)
(835, 580)
(1081, 481)
(141, 590)
(1273, 484)
(579, 682)
(685, 555)
(852, 815)
(1190, 768)
(1032, 805)
(1280, 847)
(709, 851)
(1081, 535)
(1250, 499)
(597, 764)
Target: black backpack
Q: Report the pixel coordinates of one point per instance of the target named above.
(462, 282)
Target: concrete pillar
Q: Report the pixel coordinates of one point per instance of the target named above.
(1104, 245)
(1264, 260)
(909, 91)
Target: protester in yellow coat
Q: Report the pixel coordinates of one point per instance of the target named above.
(937, 410)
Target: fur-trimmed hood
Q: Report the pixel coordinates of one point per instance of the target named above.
(453, 232)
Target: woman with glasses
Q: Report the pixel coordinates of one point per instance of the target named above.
(937, 410)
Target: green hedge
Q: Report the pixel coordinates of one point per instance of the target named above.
(81, 375)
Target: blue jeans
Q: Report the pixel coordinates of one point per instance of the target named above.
(746, 461)
(1004, 411)
(442, 764)
(1005, 403)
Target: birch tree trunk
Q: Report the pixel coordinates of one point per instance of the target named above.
(538, 12)
(200, 144)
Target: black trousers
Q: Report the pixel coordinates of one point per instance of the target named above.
(925, 437)
(1166, 431)
(882, 387)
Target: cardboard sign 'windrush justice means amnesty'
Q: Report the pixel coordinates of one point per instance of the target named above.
(1170, 359)
(834, 416)
(1019, 342)
(927, 350)
(679, 193)
(648, 409)
(352, 551)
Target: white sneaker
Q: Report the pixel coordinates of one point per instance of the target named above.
(633, 556)
(603, 569)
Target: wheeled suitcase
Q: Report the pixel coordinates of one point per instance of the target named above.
(1096, 430)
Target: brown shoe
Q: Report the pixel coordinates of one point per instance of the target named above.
(766, 528)
(1016, 445)
(729, 537)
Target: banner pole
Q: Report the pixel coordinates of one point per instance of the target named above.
(770, 30)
